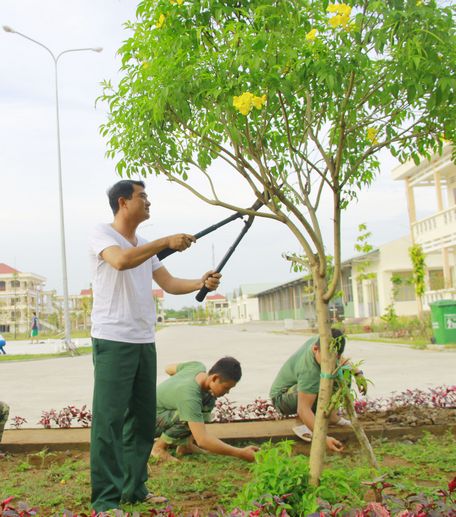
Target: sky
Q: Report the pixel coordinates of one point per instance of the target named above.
(29, 209)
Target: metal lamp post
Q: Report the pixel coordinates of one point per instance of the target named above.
(55, 58)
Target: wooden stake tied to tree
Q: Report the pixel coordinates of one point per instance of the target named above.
(296, 98)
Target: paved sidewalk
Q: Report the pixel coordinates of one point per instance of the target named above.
(32, 386)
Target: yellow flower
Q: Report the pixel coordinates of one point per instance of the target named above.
(339, 9)
(145, 64)
(258, 102)
(245, 102)
(372, 133)
(335, 21)
(311, 35)
(342, 17)
(345, 10)
(176, 2)
(161, 21)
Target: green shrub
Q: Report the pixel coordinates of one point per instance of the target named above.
(277, 473)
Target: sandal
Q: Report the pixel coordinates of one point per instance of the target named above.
(155, 499)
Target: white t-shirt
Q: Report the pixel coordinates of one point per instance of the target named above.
(123, 305)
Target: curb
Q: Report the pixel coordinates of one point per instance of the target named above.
(30, 440)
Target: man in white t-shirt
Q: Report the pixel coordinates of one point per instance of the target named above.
(123, 320)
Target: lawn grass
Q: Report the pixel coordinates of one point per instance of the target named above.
(55, 481)
(83, 350)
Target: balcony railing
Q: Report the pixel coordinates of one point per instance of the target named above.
(437, 231)
(441, 294)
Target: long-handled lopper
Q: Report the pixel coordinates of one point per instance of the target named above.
(247, 224)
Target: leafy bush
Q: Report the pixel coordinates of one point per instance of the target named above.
(278, 473)
(65, 417)
(262, 409)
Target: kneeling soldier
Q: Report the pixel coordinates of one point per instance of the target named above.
(184, 405)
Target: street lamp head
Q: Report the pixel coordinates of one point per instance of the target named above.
(7, 28)
(97, 49)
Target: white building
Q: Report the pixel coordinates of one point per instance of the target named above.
(218, 307)
(21, 294)
(244, 305)
(366, 280)
(436, 234)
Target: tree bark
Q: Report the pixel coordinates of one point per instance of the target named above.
(328, 362)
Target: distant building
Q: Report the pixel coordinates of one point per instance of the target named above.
(159, 297)
(217, 307)
(437, 233)
(80, 306)
(21, 294)
(366, 280)
(244, 305)
(294, 300)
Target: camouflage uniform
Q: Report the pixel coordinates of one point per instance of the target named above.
(4, 412)
(174, 431)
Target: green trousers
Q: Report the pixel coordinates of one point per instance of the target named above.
(287, 401)
(123, 425)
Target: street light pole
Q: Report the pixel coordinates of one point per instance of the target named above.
(66, 305)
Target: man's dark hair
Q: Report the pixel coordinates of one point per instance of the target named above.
(228, 368)
(337, 343)
(123, 188)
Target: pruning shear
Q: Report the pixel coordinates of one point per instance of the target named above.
(237, 215)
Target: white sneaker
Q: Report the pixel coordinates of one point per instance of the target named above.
(303, 432)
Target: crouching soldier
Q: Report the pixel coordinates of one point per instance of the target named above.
(184, 405)
(295, 389)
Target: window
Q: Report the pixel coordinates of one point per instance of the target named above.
(2, 286)
(436, 281)
(15, 283)
(347, 287)
(405, 290)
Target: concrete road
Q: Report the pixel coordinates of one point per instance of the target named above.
(32, 386)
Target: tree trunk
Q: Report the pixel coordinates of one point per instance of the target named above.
(359, 432)
(328, 362)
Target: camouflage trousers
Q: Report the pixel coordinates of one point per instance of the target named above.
(287, 401)
(4, 412)
(171, 429)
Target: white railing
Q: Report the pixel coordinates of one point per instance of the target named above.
(441, 294)
(437, 231)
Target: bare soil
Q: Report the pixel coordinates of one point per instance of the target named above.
(409, 416)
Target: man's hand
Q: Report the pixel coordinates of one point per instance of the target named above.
(361, 382)
(333, 444)
(211, 280)
(248, 453)
(180, 241)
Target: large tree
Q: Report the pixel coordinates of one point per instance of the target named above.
(297, 97)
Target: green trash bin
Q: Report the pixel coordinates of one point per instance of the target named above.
(443, 317)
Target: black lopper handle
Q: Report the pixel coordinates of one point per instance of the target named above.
(168, 251)
(165, 253)
(237, 215)
(202, 294)
(204, 290)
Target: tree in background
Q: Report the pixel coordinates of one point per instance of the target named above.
(419, 274)
(297, 98)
